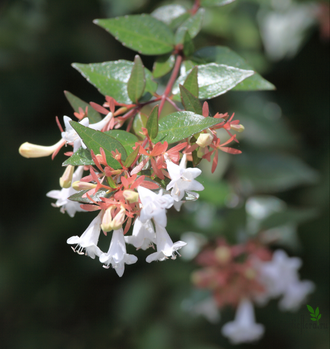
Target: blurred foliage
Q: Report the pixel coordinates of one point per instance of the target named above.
(50, 298)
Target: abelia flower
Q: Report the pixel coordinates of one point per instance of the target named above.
(116, 255)
(71, 207)
(88, 240)
(143, 235)
(165, 246)
(154, 205)
(295, 295)
(182, 179)
(244, 328)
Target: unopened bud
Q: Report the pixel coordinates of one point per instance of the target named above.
(107, 220)
(131, 196)
(29, 150)
(223, 254)
(66, 179)
(204, 140)
(78, 185)
(238, 128)
(250, 273)
(200, 152)
(119, 219)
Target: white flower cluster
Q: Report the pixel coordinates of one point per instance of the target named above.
(149, 228)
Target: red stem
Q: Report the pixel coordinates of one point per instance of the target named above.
(170, 84)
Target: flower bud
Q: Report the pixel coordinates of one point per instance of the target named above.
(238, 128)
(29, 150)
(107, 220)
(204, 140)
(119, 219)
(78, 185)
(131, 196)
(200, 152)
(66, 179)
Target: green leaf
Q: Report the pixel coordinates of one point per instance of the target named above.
(310, 308)
(313, 319)
(131, 157)
(313, 315)
(188, 45)
(126, 139)
(152, 123)
(224, 55)
(163, 65)
(76, 102)
(194, 23)
(319, 317)
(211, 3)
(191, 82)
(216, 79)
(111, 78)
(80, 157)
(169, 13)
(102, 193)
(190, 102)
(137, 81)
(140, 121)
(142, 33)
(317, 311)
(179, 125)
(95, 140)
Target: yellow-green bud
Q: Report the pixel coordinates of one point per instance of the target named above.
(107, 220)
(66, 179)
(78, 185)
(238, 128)
(131, 196)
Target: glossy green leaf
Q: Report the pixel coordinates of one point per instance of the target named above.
(140, 121)
(179, 125)
(111, 78)
(190, 102)
(131, 157)
(142, 33)
(194, 23)
(77, 103)
(137, 81)
(168, 13)
(80, 157)
(175, 24)
(188, 45)
(211, 3)
(126, 139)
(152, 123)
(95, 140)
(216, 79)
(163, 65)
(102, 193)
(191, 82)
(224, 55)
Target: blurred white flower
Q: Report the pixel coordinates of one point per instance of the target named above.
(244, 328)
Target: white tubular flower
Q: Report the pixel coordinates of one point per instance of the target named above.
(165, 246)
(183, 179)
(277, 274)
(29, 150)
(70, 135)
(154, 205)
(71, 207)
(89, 239)
(143, 235)
(116, 255)
(295, 295)
(244, 328)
